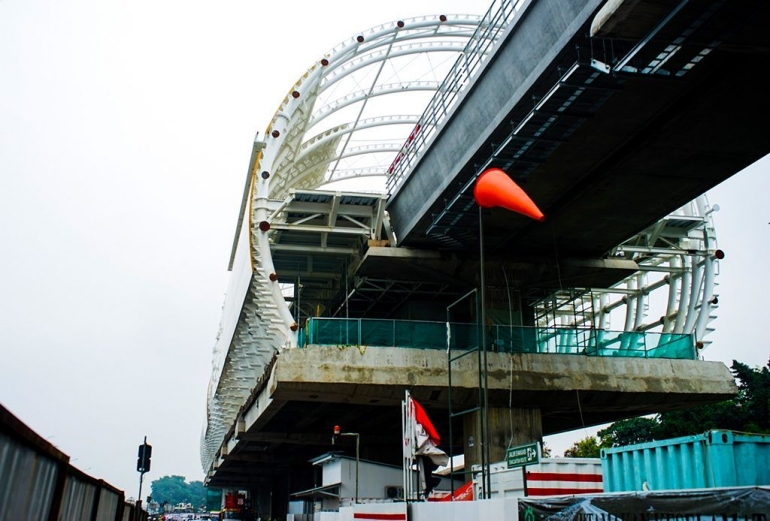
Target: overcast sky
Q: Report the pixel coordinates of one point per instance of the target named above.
(125, 134)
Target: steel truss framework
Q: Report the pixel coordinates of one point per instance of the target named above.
(332, 126)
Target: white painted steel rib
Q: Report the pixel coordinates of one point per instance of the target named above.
(684, 294)
(696, 285)
(334, 133)
(380, 90)
(289, 160)
(640, 302)
(673, 292)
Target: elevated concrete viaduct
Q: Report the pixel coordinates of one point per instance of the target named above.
(613, 116)
(310, 390)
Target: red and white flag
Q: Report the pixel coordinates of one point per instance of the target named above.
(426, 437)
(421, 441)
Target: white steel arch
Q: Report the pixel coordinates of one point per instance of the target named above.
(336, 123)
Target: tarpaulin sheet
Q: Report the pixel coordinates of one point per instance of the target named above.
(723, 504)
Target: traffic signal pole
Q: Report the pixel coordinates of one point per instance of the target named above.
(142, 466)
(139, 499)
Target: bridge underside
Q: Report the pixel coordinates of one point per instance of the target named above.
(603, 155)
(291, 417)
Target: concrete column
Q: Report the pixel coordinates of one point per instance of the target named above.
(527, 427)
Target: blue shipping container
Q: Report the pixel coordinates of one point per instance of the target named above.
(716, 458)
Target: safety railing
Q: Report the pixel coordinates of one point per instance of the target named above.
(497, 18)
(500, 338)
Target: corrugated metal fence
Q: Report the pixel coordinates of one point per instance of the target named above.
(38, 483)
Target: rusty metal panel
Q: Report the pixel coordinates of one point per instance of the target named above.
(27, 484)
(108, 505)
(78, 500)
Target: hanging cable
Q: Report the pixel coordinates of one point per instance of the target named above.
(580, 410)
(556, 251)
(510, 334)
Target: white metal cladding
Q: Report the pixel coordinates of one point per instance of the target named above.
(27, 482)
(336, 123)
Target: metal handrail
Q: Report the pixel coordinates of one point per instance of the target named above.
(515, 339)
(497, 18)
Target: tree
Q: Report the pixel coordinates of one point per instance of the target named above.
(585, 448)
(174, 490)
(629, 432)
(747, 412)
(696, 420)
(753, 396)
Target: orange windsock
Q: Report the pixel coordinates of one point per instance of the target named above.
(495, 188)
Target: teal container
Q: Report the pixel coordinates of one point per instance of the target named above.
(716, 458)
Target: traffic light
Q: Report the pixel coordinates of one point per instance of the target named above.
(143, 461)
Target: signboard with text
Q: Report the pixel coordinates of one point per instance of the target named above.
(523, 455)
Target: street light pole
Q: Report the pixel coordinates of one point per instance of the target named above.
(358, 438)
(495, 188)
(485, 450)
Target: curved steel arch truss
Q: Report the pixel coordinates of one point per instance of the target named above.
(673, 290)
(336, 123)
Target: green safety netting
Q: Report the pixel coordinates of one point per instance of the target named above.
(507, 339)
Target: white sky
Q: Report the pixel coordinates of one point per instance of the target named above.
(125, 134)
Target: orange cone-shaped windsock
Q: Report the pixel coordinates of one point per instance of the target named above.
(495, 188)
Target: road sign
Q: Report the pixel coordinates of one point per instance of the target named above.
(523, 455)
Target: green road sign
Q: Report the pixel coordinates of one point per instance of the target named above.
(523, 455)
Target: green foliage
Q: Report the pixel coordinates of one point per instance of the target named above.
(174, 490)
(585, 448)
(696, 420)
(747, 412)
(545, 450)
(754, 396)
(629, 432)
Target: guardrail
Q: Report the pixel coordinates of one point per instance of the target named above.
(497, 18)
(500, 338)
(38, 483)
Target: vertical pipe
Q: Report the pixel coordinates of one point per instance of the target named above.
(404, 466)
(298, 299)
(449, 404)
(347, 292)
